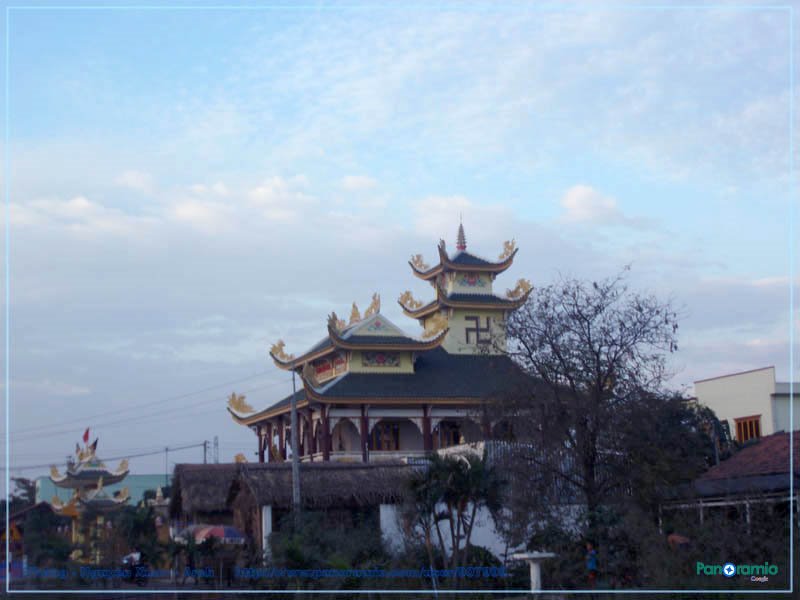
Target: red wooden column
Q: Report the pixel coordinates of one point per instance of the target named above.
(261, 442)
(281, 439)
(309, 441)
(364, 433)
(427, 436)
(326, 434)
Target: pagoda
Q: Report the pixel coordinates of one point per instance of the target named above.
(86, 475)
(371, 392)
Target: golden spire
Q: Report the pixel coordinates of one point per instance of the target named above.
(461, 241)
(508, 249)
(355, 316)
(374, 306)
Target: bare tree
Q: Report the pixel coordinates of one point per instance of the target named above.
(593, 349)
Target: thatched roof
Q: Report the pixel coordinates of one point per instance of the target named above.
(323, 485)
(201, 487)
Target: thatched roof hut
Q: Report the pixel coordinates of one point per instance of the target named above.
(328, 486)
(200, 492)
(323, 485)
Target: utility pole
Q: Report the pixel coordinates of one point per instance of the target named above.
(205, 452)
(216, 449)
(166, 466)
(295, 455)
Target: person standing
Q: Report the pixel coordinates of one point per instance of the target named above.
(591, 565)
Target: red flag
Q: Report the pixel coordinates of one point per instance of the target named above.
(86, 436)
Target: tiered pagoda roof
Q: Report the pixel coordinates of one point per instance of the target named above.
(373, 332)
(87, 475)
(347, 366)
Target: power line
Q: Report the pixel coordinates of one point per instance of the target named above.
(151, 453)
(28, 434)
(145, 404)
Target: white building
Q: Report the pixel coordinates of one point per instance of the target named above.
(752, 402)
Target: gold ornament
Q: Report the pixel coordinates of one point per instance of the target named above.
(418, 263)
(279, 352)
(374, 307)
(240, 458)
(123, 466)
(523, 287)
(124, 494)
(407, 301)
(237, 404)
(355, 316)
(54, 474)
(508, 249)
(335, 323)
(434, 325)
(309, 374)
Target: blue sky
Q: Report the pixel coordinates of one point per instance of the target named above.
(188, 186)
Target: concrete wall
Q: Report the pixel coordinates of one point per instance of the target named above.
(484, 533)
(740, 395)
(780, 409)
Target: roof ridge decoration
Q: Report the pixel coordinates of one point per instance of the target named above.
(408, 302)
(509, 246)
(335, 323)
(355, 316)
(374, 307)
(278, 351)
(438, 323)
(521, 290)
(418, 263)
(237, 402)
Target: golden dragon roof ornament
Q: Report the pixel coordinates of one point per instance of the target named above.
(408, 301)
(278, 350)
(418, 263)
(238, 404)
(434, 325)
(523, 287)
(508, 248)
(335, 323)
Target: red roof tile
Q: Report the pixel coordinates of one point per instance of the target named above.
(768, 456)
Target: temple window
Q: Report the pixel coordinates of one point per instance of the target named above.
(482, 334)
(385, 436)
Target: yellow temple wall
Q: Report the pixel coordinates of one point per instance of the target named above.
(456, 340)
(468, 283)
(357, 363)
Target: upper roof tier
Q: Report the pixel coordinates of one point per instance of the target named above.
(462, 260)
(373, 332)
(88, 471)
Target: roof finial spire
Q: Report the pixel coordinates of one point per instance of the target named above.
(461, 242)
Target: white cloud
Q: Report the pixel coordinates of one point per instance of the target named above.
(281, 199)
(358, 183)
(79, 216)
(136, 180)
(208, 217)
(584, 204)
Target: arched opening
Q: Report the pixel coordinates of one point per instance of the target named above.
(392, 435)
(345, 437)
